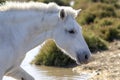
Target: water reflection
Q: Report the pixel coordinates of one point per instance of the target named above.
(57, 73)
(52, 73)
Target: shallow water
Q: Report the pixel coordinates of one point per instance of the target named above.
(47, 73)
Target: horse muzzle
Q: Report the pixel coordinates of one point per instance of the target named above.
(83, 57)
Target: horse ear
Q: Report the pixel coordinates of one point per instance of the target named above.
(62, 14)
(78, 11)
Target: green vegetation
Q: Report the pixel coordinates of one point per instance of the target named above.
(50, 55)
(95, 43)
(86, 18)
(100, 17)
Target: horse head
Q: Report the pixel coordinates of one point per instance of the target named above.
(68, 36)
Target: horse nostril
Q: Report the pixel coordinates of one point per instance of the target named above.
(82, 57)
(86, 57)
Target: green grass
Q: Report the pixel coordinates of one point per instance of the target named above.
(86, 18)
(95, 42)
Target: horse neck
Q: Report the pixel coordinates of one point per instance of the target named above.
(34, 30)
(38, 40)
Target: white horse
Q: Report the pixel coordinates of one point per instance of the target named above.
(24, 26)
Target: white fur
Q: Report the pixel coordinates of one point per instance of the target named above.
(24, 26)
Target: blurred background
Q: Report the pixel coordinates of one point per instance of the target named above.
(100, 20)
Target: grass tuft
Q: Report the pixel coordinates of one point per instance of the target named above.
(50, 55)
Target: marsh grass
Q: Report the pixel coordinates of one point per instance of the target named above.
(95, 43)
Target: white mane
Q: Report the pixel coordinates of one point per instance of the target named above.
(50, 8)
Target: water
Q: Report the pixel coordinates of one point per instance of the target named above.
(46, 73)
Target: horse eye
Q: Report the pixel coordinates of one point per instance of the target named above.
(71, 31)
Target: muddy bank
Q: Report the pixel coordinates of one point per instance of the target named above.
(103, 65)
